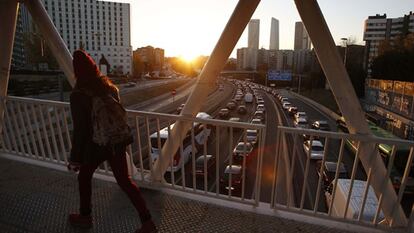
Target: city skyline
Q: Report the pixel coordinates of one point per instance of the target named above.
(152, 22)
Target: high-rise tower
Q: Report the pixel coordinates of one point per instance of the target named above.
(253, 43)
(254, 31)
(274, 35)
(302, 39)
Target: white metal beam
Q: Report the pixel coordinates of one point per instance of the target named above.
(206, 81)
(348, 103)
(8, 16)
(52, 37)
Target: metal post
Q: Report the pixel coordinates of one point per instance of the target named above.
(60, 83)
(347, 100)
(8, 17)
(52, 37)
(206, 81)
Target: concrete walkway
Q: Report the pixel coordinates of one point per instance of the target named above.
(37, 199)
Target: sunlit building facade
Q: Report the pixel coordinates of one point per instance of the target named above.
(100, 27)
(151, 58)
(391, 103)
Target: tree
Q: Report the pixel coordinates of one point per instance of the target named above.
(395, 60)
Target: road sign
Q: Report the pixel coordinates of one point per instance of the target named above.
(277, 75)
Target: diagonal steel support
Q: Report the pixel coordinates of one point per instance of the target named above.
(52, 37)
(348, 103)
(206, 81)
(8, 16)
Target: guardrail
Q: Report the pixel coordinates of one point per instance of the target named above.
(207, 164)
(41, 130)
(323, 185)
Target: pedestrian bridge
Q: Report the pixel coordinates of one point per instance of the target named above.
(36, 145)
(35, 140)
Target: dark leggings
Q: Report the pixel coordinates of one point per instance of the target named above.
(119, 167)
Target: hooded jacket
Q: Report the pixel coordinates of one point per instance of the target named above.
(84, 150)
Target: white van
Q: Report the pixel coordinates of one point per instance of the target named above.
(248, 98)
(355, 203)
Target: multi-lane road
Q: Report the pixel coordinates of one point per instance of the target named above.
(274, 116)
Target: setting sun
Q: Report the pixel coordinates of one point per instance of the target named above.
(188, 57)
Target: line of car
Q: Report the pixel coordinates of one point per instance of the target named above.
(314, 147)
(246, 92)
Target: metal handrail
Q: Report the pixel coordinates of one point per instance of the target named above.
(40, 130)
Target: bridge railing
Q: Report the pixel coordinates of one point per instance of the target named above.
(207, 165)
(327, 180)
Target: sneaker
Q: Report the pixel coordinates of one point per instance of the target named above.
(147, 227)
(78, 220)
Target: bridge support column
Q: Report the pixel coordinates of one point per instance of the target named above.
(8, 16)
(206, 81)
(52, 37)
(348, 103)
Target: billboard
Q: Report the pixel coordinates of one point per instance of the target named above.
(277, 75)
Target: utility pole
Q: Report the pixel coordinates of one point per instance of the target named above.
(346, 48)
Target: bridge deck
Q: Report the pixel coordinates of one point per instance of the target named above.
(36, 199)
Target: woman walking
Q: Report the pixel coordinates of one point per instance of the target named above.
(86, 155)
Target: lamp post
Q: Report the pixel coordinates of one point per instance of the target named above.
(346, 48)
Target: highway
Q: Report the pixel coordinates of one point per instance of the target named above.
(217, 100)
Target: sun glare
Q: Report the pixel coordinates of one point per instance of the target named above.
(188, 58)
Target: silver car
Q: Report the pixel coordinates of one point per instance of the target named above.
(316, 149)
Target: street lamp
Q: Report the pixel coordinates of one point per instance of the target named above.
(346, 48)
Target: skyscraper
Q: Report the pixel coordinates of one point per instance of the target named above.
(302, 39)
(253, 43)
(254, 31)
(274, 35)
(100, 27)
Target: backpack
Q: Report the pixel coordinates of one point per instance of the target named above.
(109, 121)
